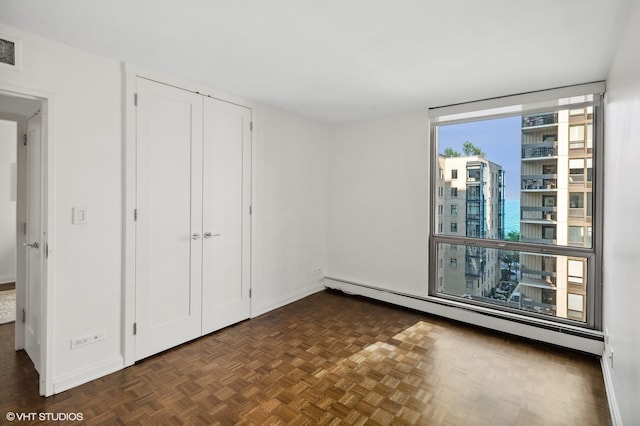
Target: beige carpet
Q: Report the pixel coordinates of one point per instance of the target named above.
(7, 306)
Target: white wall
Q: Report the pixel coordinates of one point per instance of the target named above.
(289, 209)
(8, 194)
(621, 232)
(88, 169)
(378, 202)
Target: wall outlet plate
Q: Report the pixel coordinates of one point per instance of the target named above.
(77, 342)
(79, 215)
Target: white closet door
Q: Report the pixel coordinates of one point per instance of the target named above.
(226, 220)
(169, 205)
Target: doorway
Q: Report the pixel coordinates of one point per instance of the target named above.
(8, 202)
(25, 245)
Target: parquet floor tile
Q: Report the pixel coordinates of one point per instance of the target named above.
(331, 359)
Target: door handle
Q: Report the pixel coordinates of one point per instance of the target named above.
(34, 245)
(209, 235)
(195, 236)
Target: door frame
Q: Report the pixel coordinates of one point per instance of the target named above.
(130, 73)
(47, 219)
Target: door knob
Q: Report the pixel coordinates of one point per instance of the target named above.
(209, 235)
(34, 245)
(195, 236)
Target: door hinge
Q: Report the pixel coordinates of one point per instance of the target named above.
(135, 99)
(251, 126)
(250, 210)
(24, 228)
(24, 315)
(250, 292)
(135, 214)
(46, 250)
(135, 328)
(24, 141)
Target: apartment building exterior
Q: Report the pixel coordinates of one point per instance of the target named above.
(470, 203)
(555, 208)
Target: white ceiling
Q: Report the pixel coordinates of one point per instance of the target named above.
(343, 60)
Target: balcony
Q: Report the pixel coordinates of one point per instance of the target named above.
(537, 151)
(538, 240)
(536, 272)
(474, 266)
(545, 182)
(537, 121)
(540, 215)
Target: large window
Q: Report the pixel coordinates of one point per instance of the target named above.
(527, 205)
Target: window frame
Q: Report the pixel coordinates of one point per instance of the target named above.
(570, 97)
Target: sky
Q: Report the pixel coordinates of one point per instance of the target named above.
(498, 138)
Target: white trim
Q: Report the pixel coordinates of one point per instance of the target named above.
(555, 337)
(138, 71)
(129, 203)
(611, 396)
(47, 360)
(279, 302)
(4, 279)
(86, 374)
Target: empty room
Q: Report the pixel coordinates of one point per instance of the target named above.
(338, 212)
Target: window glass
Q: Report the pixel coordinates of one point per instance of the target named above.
(523, 179)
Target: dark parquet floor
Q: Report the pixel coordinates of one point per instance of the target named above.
(331, 359)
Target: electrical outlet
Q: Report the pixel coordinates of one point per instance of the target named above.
(316, 271)
(77, 342)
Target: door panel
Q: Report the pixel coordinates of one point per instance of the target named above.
(226, 195)
(169, 205)
(33, 305)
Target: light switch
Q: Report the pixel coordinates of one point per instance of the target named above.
(79, 216)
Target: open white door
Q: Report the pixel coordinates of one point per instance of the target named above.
(34, 244)
(169, 217)
(226, 220)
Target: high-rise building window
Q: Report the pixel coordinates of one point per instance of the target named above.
(530, 237)
(576, 170)
(576, 204)
(576, 137)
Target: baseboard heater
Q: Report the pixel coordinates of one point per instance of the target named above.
(564, 335)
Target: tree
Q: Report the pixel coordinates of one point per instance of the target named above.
(509, 256)
(450, 152)
(513, 236)
(470, 149)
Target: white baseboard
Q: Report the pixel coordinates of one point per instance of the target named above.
(87, 374)
(279, 302)
(549, 332)
(4, 279)
(611, 396)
